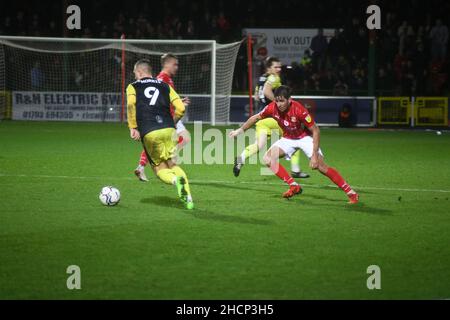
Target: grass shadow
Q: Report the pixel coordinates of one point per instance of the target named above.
(208, 215)
(227, 186)
(360, 207)
(200, 213)
(363, 208)
(319, 197)
(335, 188)
(168, 202)
(308, 199)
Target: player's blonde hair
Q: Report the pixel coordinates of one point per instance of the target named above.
(166, 57)
(144, 63)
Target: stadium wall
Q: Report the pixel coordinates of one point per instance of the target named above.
(325, 109)
(106, 107)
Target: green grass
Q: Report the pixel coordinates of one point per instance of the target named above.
(243, 241)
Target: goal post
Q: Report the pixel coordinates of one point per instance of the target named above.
(80, 79)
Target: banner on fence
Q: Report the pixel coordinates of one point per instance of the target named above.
(66, 106)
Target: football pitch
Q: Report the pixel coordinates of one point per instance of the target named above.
(242, 240)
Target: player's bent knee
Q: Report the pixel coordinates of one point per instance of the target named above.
(267, 159)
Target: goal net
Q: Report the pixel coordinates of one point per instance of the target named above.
(71, 79)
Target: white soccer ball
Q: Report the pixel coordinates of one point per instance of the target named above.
(109, 196)
(438, 133)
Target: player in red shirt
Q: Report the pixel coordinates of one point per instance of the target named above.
(169, 64)
(290, 116)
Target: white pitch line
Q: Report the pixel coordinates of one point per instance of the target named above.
(334, 186)
(227, 182)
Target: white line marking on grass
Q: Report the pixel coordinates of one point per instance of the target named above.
(330, 185)
(227, 182)
(45, 176)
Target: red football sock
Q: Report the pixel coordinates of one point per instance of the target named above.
(143, 160)
(281, 172)
(338, 180)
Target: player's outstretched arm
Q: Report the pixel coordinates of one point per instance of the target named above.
(248, 124)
